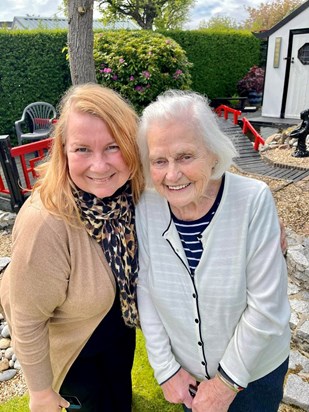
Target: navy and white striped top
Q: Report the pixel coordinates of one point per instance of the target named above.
(190, 232)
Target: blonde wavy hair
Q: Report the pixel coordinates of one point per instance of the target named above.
(54, 183)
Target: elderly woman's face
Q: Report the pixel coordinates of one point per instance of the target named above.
(95, 161)
(180, 164)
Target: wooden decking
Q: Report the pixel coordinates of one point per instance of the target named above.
(250, 161)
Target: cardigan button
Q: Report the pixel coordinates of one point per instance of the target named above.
(200, 343)
(194, 295)
(196, 321)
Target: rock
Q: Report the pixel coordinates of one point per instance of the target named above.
(293, 238)
(301, 262)
(300, 306)
(298, 361)
(274, 138)
(303, 331)
(7, 219)
(4, 364)
(5, 343)
(17, 365)
(5, 333)
(9, 353)
(305, 295)
(292, 289)
(296, 392)
(293, 320)
(7, 375)
(4, 261)
(264, 148)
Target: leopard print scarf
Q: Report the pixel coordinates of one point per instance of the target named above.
(111, 222)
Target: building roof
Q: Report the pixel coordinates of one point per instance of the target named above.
(32, 22)
(5, 24)
(265, 34)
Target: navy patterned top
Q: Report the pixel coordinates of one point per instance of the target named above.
(190, 232)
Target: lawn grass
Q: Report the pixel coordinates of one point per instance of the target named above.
(147, 394)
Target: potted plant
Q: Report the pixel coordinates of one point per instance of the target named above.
(251, 85)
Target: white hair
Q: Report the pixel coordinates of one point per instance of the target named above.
(191, 109)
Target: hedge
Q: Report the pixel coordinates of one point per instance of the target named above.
(33, 65)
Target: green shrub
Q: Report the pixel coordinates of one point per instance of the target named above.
(140, 65)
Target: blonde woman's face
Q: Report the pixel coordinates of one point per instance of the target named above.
(95, 162)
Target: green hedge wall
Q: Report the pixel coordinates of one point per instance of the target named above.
(220, 58)
(32, 68)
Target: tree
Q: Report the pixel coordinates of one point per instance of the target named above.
(267, 14)
(80, 41)
(148, 14)
(219, 23)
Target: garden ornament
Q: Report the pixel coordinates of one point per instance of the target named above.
(301, 133)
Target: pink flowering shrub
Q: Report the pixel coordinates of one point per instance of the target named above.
(140, 64)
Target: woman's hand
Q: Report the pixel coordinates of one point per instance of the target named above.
(176, 389)
(213, 396)
(47, 401)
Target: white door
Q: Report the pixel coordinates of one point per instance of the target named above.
(298, 88)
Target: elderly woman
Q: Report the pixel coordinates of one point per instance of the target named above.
(212, 289)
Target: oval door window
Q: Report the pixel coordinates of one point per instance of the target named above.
(303, 54)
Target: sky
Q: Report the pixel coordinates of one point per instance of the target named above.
(203, 9)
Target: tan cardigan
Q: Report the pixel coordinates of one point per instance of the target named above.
(56, 290)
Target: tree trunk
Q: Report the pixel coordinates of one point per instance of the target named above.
(80, 41)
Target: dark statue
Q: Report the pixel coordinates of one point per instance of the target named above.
(301, 133)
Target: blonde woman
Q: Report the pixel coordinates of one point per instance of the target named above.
(69, 293)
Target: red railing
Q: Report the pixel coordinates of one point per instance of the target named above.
(18, 169)
(226, 110)
(40, 149)
(2, 187)
(246, 125)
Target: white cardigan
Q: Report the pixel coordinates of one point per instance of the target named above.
(236, 310)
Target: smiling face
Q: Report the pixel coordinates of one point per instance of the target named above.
(95, 161)
(180, 165)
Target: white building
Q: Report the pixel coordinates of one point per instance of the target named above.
(286, 88)
(50, 23)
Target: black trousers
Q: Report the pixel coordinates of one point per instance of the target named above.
(101, 376)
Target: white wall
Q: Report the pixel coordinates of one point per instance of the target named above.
(274, 77)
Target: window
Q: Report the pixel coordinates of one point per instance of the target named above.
(303, 54)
